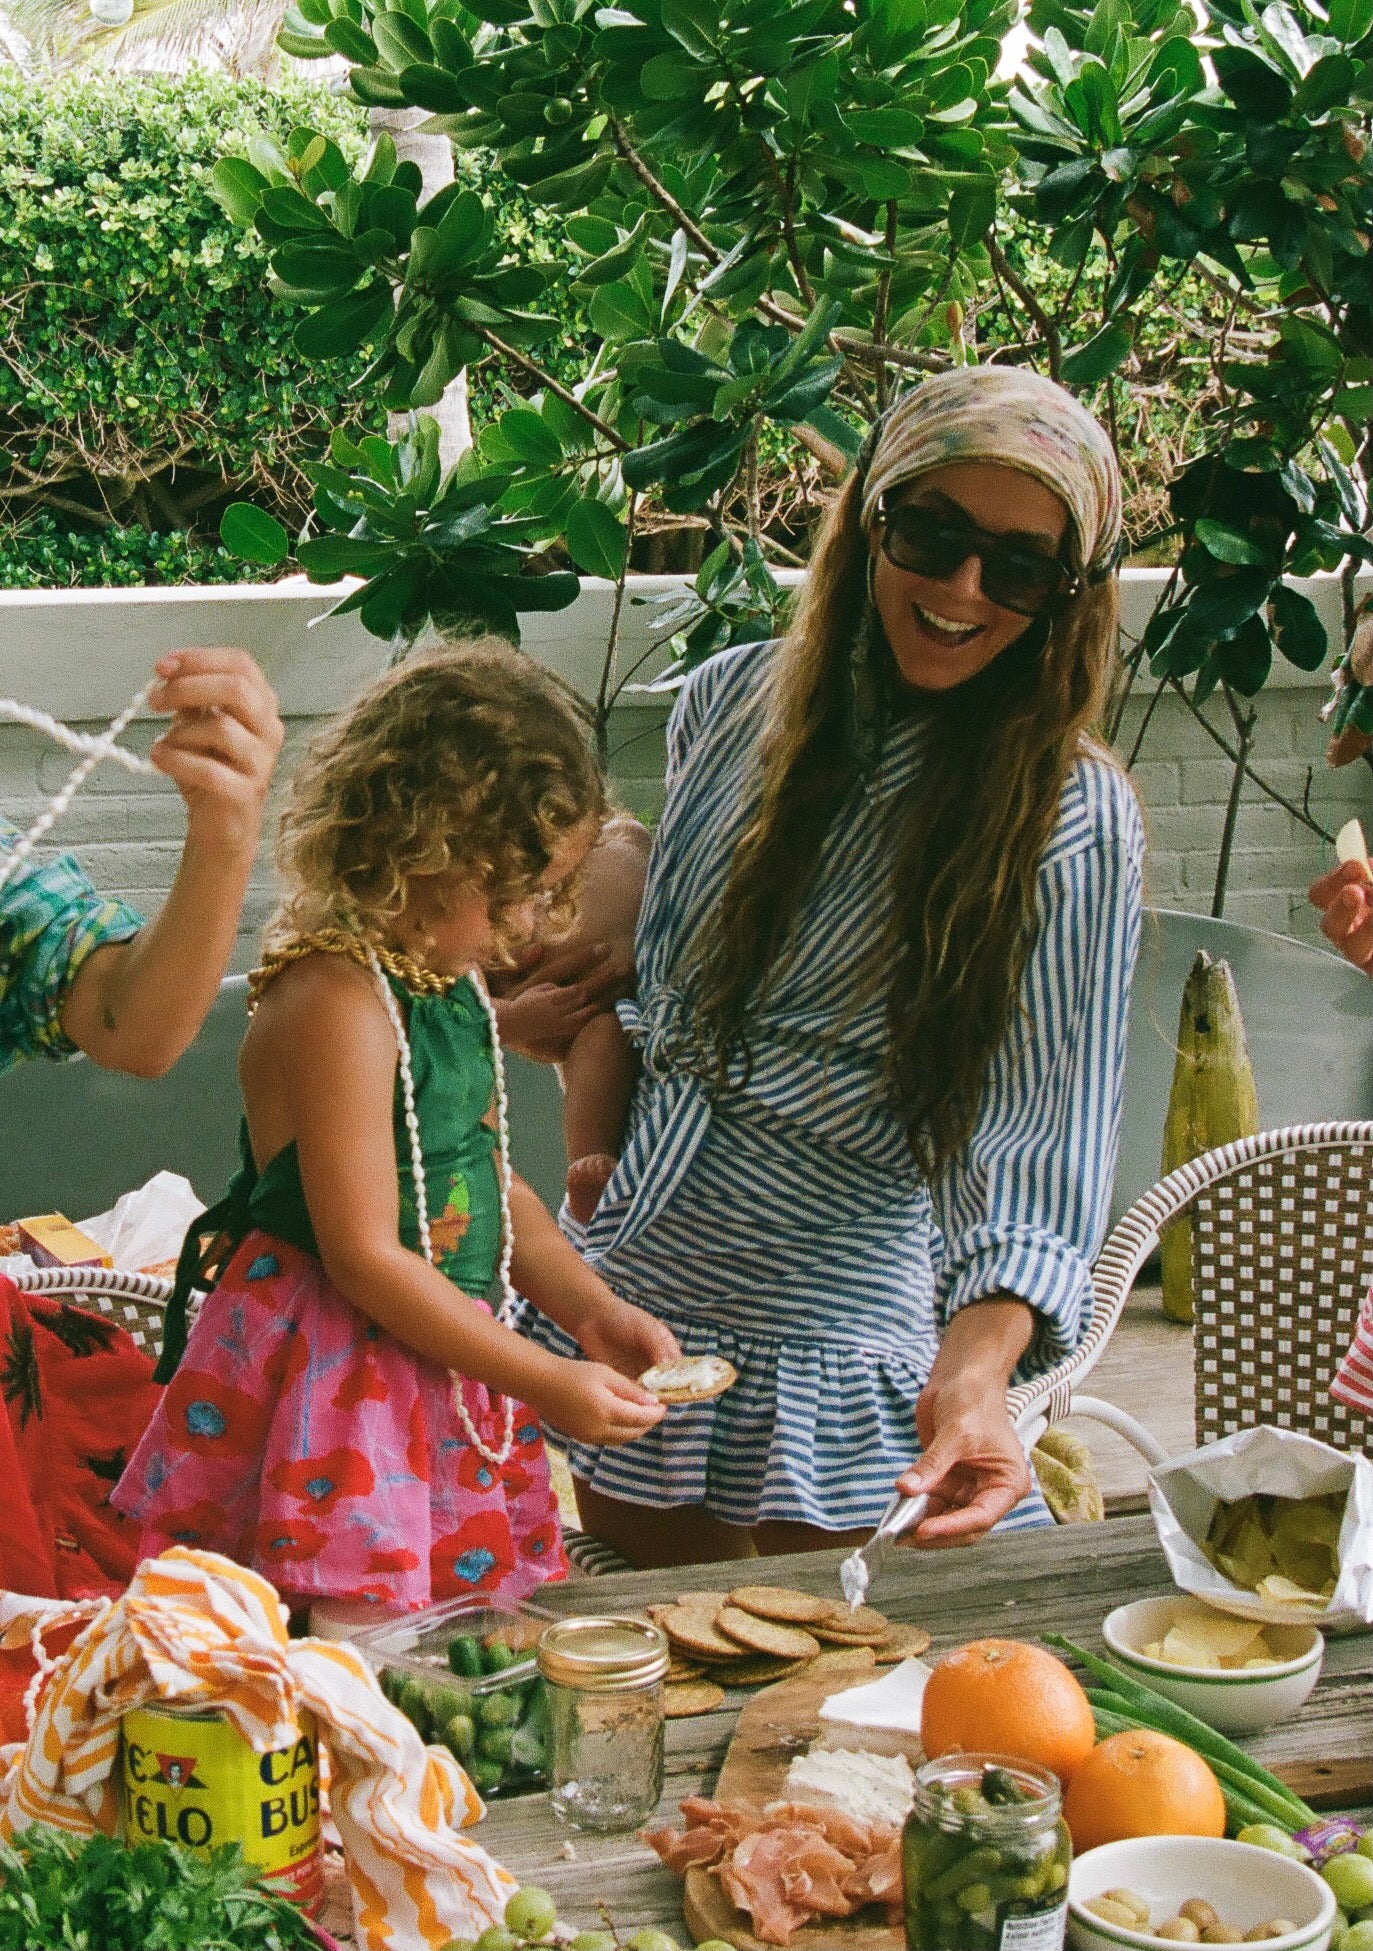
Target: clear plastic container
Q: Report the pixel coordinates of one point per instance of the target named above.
(428, 1664)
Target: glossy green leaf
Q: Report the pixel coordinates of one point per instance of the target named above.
(253, 535)
(596, 539)
(238, 188)
(343, 325)
(618, 312)
(1101, 355)
(529, 437)
(327, 557)
(1298, 630)
(1227, 544)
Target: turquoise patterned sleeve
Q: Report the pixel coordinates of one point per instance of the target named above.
(51, 919)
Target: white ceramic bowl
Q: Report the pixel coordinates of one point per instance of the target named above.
(1239, 1702)
(1246, 1885)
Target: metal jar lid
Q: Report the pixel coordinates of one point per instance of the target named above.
(599, 1655)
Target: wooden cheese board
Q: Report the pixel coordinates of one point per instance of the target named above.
(776, 1725)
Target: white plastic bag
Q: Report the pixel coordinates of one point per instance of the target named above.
(148, 1225)
(1183, 1496)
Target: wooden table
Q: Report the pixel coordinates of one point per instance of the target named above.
(1064, 1580)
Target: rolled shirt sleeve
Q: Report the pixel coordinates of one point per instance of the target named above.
(1023, 1208)
(51, 920)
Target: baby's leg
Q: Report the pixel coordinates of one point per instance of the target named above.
(599, 1073)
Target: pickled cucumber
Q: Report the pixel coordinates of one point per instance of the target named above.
(970, 1867)
(500, 1737)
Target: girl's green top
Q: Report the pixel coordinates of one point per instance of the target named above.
(454, 1072)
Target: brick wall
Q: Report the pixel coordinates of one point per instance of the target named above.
(82, 656)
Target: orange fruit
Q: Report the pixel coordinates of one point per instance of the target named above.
(1142, 1784)
(1002, 1697)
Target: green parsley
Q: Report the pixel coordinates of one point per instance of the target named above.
(67, 1893)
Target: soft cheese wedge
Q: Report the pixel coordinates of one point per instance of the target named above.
(882, 1716)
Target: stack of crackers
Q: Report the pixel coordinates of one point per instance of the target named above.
(761, 1633)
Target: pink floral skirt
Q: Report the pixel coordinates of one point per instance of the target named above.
(300, 1438)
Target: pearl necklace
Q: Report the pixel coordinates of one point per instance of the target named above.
(509, 1299)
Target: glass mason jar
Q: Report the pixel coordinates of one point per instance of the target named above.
(605, 1714)
(985, 1857)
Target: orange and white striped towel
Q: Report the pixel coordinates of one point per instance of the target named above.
(1353, 1381)
(196, 1630)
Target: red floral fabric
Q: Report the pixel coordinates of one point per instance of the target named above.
(299, 1438)
(77, 1397)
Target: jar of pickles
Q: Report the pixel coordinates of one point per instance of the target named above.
(985, 1857)
(605, 1717)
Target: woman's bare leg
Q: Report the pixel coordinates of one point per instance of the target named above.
(779, 1535)
(649, 1536)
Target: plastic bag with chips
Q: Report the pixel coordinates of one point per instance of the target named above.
(1270, 1525)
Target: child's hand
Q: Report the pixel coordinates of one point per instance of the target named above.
(592, 1404)
(223, 740)
(627, 1338)
(1345, 900)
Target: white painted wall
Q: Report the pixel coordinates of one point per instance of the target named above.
(83, 653)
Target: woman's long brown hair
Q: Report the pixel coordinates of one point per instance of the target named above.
(968, 851)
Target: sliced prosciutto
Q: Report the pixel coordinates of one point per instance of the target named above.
(787, 1864)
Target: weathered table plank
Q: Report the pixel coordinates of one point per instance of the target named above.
(1064, 1580)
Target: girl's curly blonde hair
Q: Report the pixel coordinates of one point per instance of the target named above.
(470, 761)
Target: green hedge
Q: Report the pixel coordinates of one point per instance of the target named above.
(146, 376)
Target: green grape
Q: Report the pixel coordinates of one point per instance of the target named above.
(651, 1939)
(1364, 1846)
(460, 1944)
(1359, 1937)
(496, 1938)
(1267, 1835)
(592, 1941)
(714, 1944)
(1351, 1879)
(531, 1913)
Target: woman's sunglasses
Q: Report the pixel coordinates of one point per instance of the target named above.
(1013, 574)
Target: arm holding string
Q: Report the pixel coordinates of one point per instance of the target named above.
(136, 1005)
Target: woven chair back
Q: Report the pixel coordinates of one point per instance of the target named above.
(1282, 1256)
(135, 1302)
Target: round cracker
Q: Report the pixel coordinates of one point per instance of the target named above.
(709, 1602)
(681, 1699)
(757, 1670)
(765, 1635)
(695, 1633)
(782, 1603)
(902, 1642)
(691, 1378)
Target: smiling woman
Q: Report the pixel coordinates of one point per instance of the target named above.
(884, 962)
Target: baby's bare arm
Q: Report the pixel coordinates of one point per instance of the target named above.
(567, 980)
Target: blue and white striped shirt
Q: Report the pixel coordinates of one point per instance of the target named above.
(783, 1222)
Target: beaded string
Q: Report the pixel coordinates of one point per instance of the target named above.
(509, 1298)
(106, 746)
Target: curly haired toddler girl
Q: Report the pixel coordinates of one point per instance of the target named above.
(348, 1417)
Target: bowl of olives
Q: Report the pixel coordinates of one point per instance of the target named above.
(1152, 1891)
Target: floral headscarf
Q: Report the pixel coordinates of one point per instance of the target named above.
(1011, 417)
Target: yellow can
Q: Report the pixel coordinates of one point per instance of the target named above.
(190, 1778)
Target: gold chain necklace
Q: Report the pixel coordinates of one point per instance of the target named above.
(337, 941)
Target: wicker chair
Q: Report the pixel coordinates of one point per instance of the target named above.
(135, 1302)
(1282, 1254)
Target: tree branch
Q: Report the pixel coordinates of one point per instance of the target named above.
(568, 398)
(1047, 328)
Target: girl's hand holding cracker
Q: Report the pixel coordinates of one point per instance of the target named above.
(596, 1404)
(627, 1338)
